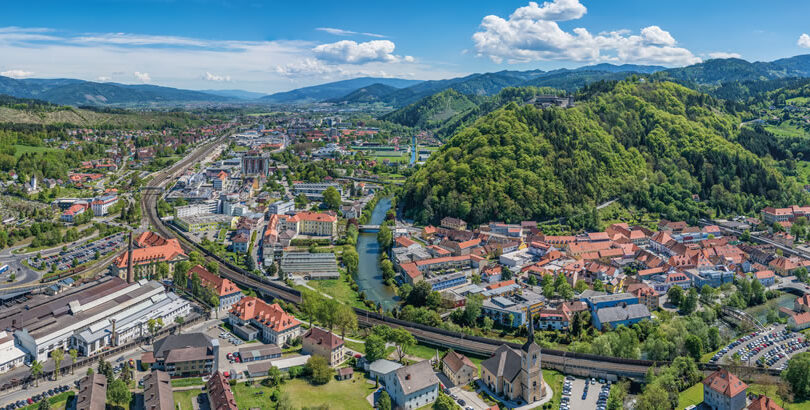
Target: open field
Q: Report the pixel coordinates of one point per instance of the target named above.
(183, 399)
(347, 394)
(253, 397)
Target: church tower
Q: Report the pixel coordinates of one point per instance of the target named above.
(530, 373)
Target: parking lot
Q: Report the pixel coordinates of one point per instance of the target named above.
(770, 348)
(584, 394)
(81, 254)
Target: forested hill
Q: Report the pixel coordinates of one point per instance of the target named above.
(652, 144)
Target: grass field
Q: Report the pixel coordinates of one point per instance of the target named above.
(185, 398)
(803, 172)
(347, 394)
(690, 396)
(253, 397)
(555, 380)
(191, 381)
(19, 150)
(787, 129)
(772, 391)
(58, 402)
(338, 289)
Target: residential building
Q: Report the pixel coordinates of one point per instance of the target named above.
(157, 391)
(203, 222)
(73, 212)
(186, 355)
(379, 369)
(512, 310)
(310, 224)
(218, 182)
(314, 191)
(92, 393)
(274, 324)
(453, 223)
(220, 396)
(764, 402)
(459, 368)
(646, 295)
(712, 277)
(614, 316)
(724, 391)
(255, 164)
(600, 301)
(515, 373)
(10, 355)
(226, 290)
(101, 206)
(765, 277)
(239, 242)
(798, 321)
(413, 386)
(319, 342)
(442, 282)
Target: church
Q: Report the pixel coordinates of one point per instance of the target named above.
(515, 373)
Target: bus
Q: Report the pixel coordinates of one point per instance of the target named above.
(3, 269)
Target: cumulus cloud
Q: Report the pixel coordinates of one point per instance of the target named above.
(351, 52)
(219, 78)
(142, 77)
(723, 54)
(804, 41)
(531, 33)
(16, 74)
(342, 32)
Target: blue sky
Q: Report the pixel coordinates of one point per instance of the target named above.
(269, 46)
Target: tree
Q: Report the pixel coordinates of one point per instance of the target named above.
(403, 340)
(351, 259)
(301, 201)
(179, 276)
(384, 401)
(693, 346)
(581, 286)
(797, 375)
(105, 369)
(212, 266)
(44, 404)
(472, 309)
(444, 402)
(57, 355)
(274, 377)
(713, 339)
(598, 286)
(418, 296)
(674, 295)
(36, 370)
(385, 238)
(331, 198)
(617, 395)
(689, 302)
(318, 369)
(74, 354)
(118, 393)
(285, 402)
(434, 300)
(653, 398)
(162, 270)
(310, 304)
(387, 269)
(345, 319)
(375, 347)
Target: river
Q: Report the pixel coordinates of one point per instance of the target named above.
(369, 275)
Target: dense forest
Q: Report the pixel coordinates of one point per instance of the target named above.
(650, 144)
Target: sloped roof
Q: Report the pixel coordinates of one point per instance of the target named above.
(456, 361)
(725, 383)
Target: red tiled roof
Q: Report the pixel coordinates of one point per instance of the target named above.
(149, 238)
(725, 383)
(764, 403)
(469, 244)
(764, 274)
(404, 241)
(161, 253)
(456, 360)
(501, 284)
(272, 316)
(322, 337)
(313, 217)
(222, 286)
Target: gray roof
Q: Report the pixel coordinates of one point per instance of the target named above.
(382, 366)
(504, 362)
(416, 377)
(619, 313)
(157, 391)
(611, 297)
(256, 352)
(180, 341)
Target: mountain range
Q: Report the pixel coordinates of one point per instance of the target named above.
(398, 92)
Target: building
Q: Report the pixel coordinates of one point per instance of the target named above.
(512, 310)
(252, 354)
(765, 277)
(226, 290)
(764, 402)
(314, 191)
(92, 393)
(319, 342)
(218, 182)
(255, 164)
(453, 223)
(310, 266)
(186, 355)
(614, 316)
(379, 369)
(459, 368)
(442, 282)
(724, 391)
(281, 207)
(273, 323)
(10, 355)
(239, 242)
(413, 386)
(157, 391)
(203, 208)
(310, 224)
(204, 222)
(600, 301)
(646, 295)
(798, 321)
(101, 206)
(146, 259)
(73, 212)
(220, 396)
(515, 373)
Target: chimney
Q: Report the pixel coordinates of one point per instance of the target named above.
(130, 275)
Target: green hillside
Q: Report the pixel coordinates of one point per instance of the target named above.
(652, 145)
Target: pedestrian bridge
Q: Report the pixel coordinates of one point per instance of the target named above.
(369, 228)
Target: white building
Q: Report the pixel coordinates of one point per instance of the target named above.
(101, 205)
(10, 355)
(207, 207)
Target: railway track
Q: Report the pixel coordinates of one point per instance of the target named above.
(572, 363)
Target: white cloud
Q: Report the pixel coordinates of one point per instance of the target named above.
(103, 79)
(804, 41)
(219, 78)
(342, 32)
(350, 52)
(142, 77)
(723, 54)
(16, 74)
(531, 33)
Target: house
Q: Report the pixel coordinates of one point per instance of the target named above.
(186, 355)
(10, 355)
(226, 290)
(157, 391)
(765, 277)
(220, 396)
(724, 391)
(458, 368)
(73, 212)
(614, 316)
(764, 402)
(515, 373)
(272, 322)
(379, 369)
(646, 295)
(92, 393)
(453, 223)
(599, 301)
(239, 242)
(798, 321)
(345, 373)
(802, 304)
(310, 224)
(319, 342)
(413, 386)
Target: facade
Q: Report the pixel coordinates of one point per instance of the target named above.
(92, 393)
(186, 355)
(314, 191)
(185, 211)
(274, 324)
(512, 310)
(101, 205)
(255, 164)
(252, 354)
(203, 222)
(724, 391)
(281, 207)
(157, 391)
(413, 386)
(765, 277)
(227, 291)
(10, 355)
(145, 259)
(453, 223)
(515, 373)
(220, 396)
(459, 368)
(319, 342)
(310, 223)
(239, 243)
(646, 295)
(73, 212)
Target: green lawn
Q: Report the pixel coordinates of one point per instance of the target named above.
(786, 129)
(191, 381)
(348, 394)
(255, 396)
(338, 289)
(185, 398)
(771, 391)
(19, 150)
(555, 380)
(58, 402)
(424, 351)
(690, 396)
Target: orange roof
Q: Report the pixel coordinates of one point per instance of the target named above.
(149, 238)
(725, 383)
(430, 229)
(161, 253)
(469, 244)
(411, 270)
(404, 241)
(442, 259)
(439, 250)
(801, 318)
(272, 316)
(312, 217)
(598, 236)
(764, 403)
(222, 286)
(501, 284)
(764, 274)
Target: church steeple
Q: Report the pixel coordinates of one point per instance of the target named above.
(530, 329)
